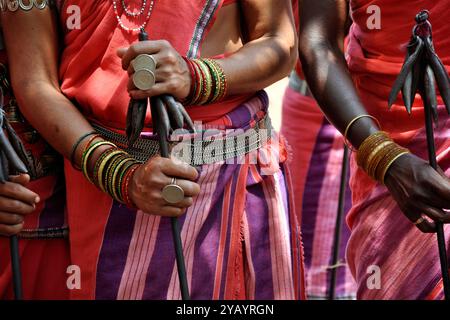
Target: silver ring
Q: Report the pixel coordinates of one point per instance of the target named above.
(419, 221)
(144, 61)
(144, 79)
(173, 193)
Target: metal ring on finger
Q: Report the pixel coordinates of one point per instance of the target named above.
(144, 61)
(144, 79)
(173, 193)
(419, 221)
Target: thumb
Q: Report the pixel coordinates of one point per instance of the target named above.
(22, 179)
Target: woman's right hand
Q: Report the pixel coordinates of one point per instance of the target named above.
(148, 181)
(419, 190)
(16, 202)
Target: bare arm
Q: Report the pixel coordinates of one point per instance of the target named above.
(323, 25)
(268, 55)
(31, 41)
(270, 51)
(416, 187)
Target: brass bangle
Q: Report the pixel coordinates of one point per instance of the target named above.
(379, 161)
(102, 168)
(368, 146)
(88, 152)
(376, 151)
(386, 167)
(351, 123)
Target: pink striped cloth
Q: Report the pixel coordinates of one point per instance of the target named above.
(316, 150)
(383, 240)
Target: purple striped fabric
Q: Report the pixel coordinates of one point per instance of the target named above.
(316, 163)
(52, 216)
(237, 238)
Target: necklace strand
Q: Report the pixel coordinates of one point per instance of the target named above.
(139, 28)
(131, 13)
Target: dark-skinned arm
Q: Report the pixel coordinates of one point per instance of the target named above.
(416, 187)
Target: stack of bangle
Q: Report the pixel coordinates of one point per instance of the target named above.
(209, 83)
(112, 170)
(377, 154)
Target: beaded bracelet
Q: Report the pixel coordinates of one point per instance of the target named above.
(75, 147)
(88, 152)
(112, 170)
(208, 82)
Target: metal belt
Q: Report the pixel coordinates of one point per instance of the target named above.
(222, 149)
(51, 233)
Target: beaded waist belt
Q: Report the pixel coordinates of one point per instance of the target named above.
(223, 145)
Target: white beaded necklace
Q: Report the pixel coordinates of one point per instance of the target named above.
(133, 14)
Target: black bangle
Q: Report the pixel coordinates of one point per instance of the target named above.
(75, 147)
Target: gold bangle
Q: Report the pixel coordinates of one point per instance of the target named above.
(375, 151)
(351, 123)
(102, 167)
(369, 144)
(390, 163)
(380, 160)
(87, 154)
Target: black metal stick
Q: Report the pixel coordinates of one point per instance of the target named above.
(18, 165)
(16, 271)
(338, 227)
(439, 226)
(159, 117)
(157, 109)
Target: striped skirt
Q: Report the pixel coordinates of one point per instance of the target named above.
(315, 163)
(241, 239)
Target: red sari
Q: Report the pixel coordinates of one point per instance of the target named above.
(240, 238)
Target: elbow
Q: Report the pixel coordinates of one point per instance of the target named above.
(287, 57)
(292, 57)
(27, 89)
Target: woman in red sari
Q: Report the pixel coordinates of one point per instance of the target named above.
(241, 240)
(34, 210)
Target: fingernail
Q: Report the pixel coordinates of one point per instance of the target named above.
(37, 199)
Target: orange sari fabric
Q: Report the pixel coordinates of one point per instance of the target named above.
(91, 71)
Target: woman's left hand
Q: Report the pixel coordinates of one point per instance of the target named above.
(172, 73)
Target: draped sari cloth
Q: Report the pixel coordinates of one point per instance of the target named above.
(241, 239)
(315, 163)
(384, 243)
(43, 261)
